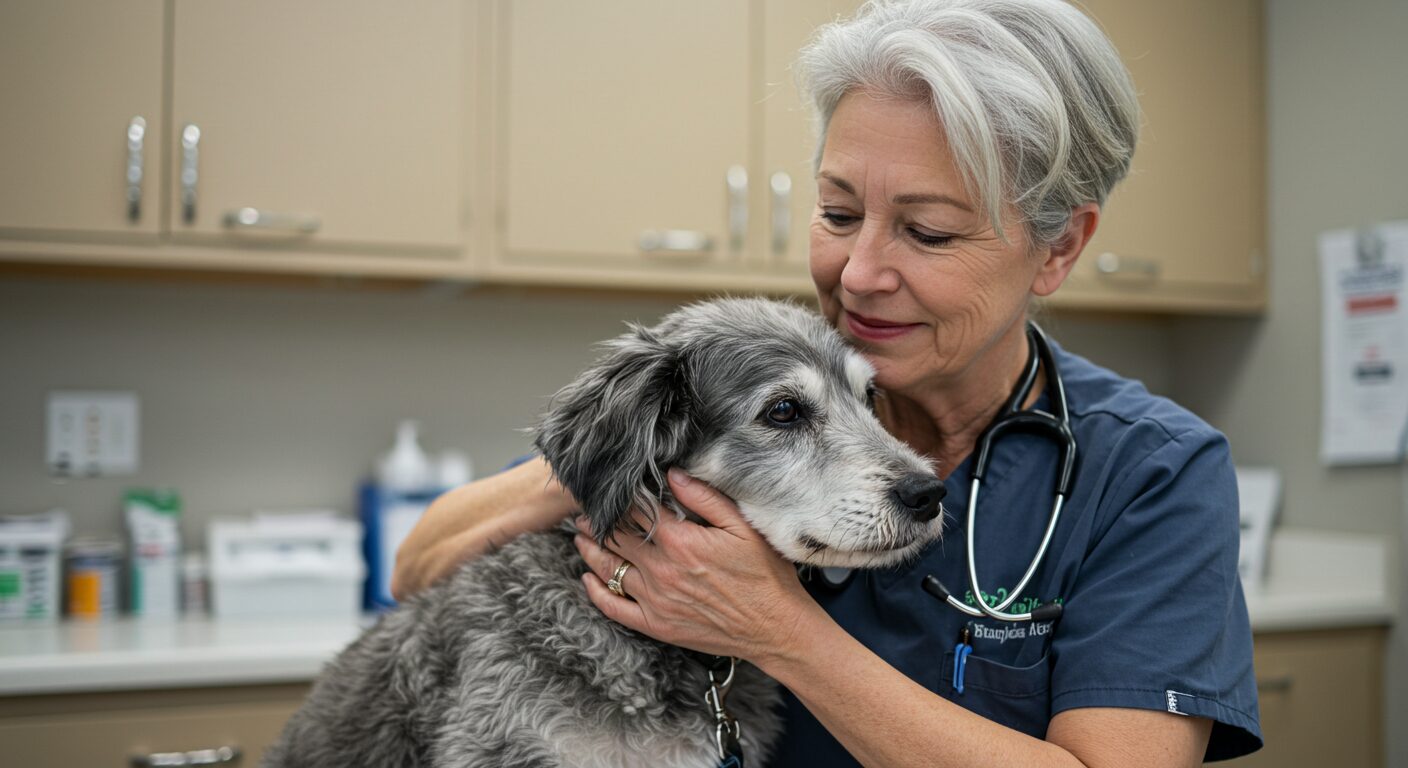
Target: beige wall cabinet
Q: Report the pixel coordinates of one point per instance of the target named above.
(320, 136)
(623, 146)
(110, 729)
(644, 145)
(1321, 697)
(81, 125)
(318, 122)
(1186, 229)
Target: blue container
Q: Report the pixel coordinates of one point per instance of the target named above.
(388, 515)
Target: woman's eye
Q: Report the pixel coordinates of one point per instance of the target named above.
(928, 240)
(839, 219)
(784, 412)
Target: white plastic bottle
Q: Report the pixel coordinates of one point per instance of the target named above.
(406, 468)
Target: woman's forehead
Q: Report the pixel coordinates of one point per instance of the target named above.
(894, 143)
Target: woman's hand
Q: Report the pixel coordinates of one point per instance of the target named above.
(720, 590)
(476, 518)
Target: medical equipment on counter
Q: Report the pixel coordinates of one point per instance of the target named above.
(30, 548)
(290, 564)
(1013, 418)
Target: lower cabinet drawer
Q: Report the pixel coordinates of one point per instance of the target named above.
(1321, 698)
(102, 730)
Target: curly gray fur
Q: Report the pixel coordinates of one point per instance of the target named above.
(508, 663)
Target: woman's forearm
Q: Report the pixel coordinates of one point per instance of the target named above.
(466, 522)
(885, 719)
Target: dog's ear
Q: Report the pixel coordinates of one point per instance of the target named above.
(611, 434)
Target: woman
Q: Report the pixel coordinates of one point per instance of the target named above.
(966, 149)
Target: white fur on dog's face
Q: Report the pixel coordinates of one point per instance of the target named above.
(821, 488)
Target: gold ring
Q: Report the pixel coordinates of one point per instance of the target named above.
(617, 583)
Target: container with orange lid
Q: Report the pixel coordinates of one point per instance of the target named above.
(92, 568)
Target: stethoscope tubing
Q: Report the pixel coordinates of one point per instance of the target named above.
(1013, 417)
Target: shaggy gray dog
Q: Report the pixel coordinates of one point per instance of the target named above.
(508, 663)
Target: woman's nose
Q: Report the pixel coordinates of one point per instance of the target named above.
(867, 269)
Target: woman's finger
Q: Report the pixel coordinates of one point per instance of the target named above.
(603, 563)
(619, 609)
(716, 508)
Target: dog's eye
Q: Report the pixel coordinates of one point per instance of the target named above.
(870, 393)
(784, 412)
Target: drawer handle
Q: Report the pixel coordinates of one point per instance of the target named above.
(136, 137)
(1115, 265)
(1278, 684)
(675, 242)
(190, 171)
(253, 218)
(737, 182)
(217, 756)
(781, 185)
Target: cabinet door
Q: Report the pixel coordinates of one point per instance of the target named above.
(1188, 221)
(324, 121)
(619, 119)
(789, 188)
(1321, 698)
(75, 75)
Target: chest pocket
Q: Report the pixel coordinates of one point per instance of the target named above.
(1018, 697)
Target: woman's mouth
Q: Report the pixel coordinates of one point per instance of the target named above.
(875, 329)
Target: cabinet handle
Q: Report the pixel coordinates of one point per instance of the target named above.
(136, 134)
(781, 185)
(675, 242)
(190, 170)
(737, 180)
(217, 756)
(1278, 684)
(255, 219)
(1115, 265)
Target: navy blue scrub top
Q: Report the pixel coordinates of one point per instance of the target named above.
(1144, 561)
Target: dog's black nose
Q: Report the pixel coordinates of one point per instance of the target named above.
(920, 494)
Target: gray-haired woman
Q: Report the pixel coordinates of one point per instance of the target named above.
(967, 147)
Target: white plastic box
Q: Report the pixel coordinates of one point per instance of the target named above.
(30, 552)
(305, 565)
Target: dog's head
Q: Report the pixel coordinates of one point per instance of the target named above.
(762, 400)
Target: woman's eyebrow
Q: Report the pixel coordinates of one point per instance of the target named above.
(837, 180)
(914, 198)
(927, 198)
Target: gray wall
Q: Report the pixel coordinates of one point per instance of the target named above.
(1337, 110)
(277, 397)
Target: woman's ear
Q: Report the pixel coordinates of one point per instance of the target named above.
(1061, 256)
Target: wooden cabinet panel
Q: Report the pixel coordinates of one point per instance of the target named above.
(1186, 227)
(789, 141)
(344, 113)
(1321, 699)
(616, 119)
(108, 729)
(74, 74)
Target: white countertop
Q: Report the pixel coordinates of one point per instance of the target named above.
(59, 657)
(1324, 579)
(1316, 580)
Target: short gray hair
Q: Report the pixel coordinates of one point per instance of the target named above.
(1035, 103)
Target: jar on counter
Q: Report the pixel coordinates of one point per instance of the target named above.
(92, 568)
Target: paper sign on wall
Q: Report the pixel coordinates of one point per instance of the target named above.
(1365, 345)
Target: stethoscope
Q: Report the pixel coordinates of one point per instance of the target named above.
(1010, 418)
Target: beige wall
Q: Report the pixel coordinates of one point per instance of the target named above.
(275, 397)
(1337, 111)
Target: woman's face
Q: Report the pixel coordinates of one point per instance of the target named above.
(905, 262)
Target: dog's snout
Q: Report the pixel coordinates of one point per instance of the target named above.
(920, 494)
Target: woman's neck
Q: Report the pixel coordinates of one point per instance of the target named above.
(944, 421)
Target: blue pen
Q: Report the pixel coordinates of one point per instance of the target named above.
(960, 659)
